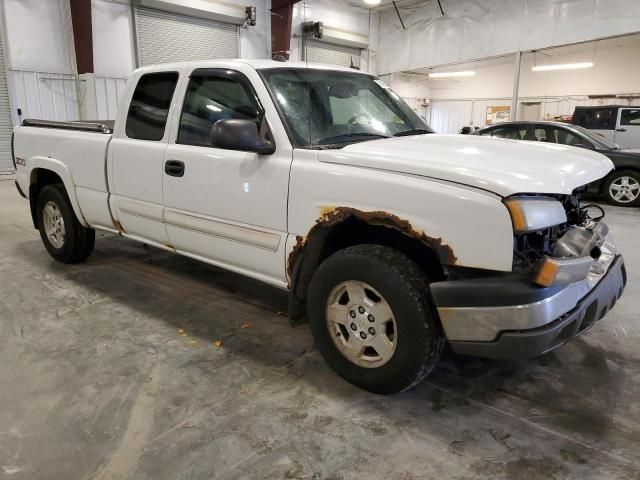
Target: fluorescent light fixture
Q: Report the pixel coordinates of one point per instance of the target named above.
(463, 73)
(562, 66)
(372, 2)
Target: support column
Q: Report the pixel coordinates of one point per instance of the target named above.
(516, 88)
(281, 19)
(82, 34)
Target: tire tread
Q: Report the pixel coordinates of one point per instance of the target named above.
(415, 283)
(82, 239)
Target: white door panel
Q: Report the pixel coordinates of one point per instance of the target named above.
(137, 171)
(228, 185)
(229, 207)
(233, 256)
(628, 128)
(136, 157)
(223, 229)
(130, 206)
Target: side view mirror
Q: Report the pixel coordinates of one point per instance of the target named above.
(242, 135)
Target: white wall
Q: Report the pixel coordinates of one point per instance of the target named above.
(113, 46)
(463, 101)
(255, 42)
(341, 15)
(41, 59)
(39, 35)
(413, 88)
(473, 29)
(616, 70)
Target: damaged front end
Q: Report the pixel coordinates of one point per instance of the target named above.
(565, 252)
(566, 275)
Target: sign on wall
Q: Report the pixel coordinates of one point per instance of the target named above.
(498, 114)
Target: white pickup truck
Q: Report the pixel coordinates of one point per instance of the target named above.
(391, 240)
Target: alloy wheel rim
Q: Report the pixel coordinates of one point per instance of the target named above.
(361, 324)
(54, 225)
(624, 189)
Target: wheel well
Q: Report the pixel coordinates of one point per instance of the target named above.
(353, 231)
(40, 178)
(623, 169)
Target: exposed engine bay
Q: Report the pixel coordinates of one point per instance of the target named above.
(581, 235)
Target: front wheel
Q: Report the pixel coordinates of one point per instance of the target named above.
(622, 188)
(373, 319)
(63, 235)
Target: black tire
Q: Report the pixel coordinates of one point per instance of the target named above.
(616, 175)
(404, 286)
(78, 241)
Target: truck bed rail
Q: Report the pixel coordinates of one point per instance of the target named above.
(98, 126)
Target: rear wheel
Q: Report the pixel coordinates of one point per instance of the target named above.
(373, 320)
(622, 188)
(63, 236)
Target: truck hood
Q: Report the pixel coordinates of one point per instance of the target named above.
(500, 166)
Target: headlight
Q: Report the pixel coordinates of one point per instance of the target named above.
(529, 214)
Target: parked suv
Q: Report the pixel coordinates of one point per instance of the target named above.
(621, 187)
(618, 124)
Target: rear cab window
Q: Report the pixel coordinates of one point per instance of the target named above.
(149, 108)
(596, 118)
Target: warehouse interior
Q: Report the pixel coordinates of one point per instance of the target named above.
(144, 364)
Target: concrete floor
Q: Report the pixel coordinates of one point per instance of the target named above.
(109, 370)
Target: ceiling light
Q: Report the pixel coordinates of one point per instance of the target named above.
(561, 66)
(372, 2)
(464, 73)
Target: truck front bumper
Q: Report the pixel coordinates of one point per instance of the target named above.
(509, 317)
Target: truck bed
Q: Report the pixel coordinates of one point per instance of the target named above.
(77, 153)
(99, 126)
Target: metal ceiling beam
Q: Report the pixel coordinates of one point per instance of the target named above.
(281, 18)
(516, 87)
(82, 34)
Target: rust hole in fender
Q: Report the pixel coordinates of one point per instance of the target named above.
(331, 216)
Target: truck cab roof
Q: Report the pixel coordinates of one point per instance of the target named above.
(256, 64)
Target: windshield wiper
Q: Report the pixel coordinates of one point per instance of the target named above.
(412, 131)
(348, 137)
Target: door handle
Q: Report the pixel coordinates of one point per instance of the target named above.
(174, 168)
(621, 129)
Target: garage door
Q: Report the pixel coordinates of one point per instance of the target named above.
(320, 52)
(166, 37)
(6, 126)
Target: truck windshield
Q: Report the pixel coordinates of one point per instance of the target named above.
(332, 109)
